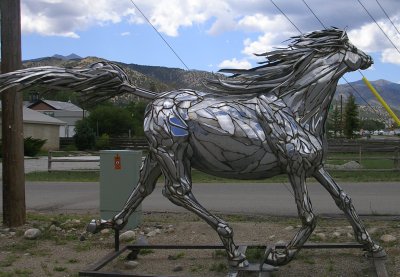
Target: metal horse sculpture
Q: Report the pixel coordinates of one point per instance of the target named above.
(262, 122)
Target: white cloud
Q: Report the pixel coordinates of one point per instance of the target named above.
(234, 63)
(124, 34)
(370, 38)
(391, 56)
(263, 23)
(68, 18)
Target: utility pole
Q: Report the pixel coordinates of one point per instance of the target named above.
(14, 209)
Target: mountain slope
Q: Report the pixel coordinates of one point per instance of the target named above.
(159, 78)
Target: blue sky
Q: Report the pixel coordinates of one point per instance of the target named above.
(207, 35)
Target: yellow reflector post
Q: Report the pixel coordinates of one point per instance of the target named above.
(382, 101)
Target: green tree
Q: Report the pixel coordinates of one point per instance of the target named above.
(371, 125)
(351, 121)
(84, 135)
(334, 121)
(111, 120)
(137, 110)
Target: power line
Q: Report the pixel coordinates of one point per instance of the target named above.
(387, 16)
(314, 14)
(370, 15)
(294, 25)
(325, 28)
(359, 94)
(161, 36)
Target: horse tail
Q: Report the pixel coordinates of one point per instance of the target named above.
(95, 83)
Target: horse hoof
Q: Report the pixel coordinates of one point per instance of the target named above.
(379, 254)
(96, 226)
(239, 262)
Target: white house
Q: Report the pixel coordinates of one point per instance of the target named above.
(64, 111)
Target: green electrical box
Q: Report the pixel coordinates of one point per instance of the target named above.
(119, 175)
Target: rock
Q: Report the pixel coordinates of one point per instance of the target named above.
(58, 229)
(158, 231)
(349, 235)
(177, 268)
(52, 227)
(127, 236)
(82, 238)
(271, 237)
(321, 236)
(373, 230)
(151, 234)
(336, 234)
(169, 230)
(13, 233)
(280, 242)
(131, 264)
(289, 228)
(105, 231)
(76, 221)
(32, 233)
(158, 226)
(388, 238)
(147, 230)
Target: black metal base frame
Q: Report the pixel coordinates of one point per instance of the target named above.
(93, 270)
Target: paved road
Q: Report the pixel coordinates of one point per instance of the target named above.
(274, 199)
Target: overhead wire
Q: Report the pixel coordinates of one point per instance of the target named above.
(352, 87)
(388, 17)
(370, 15)
(160, 35)
(294, 25)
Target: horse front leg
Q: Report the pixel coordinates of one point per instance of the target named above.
(283, 256)
(343, 201)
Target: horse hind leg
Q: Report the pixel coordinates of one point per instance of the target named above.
(343, 201)
(176, 168)
(149, 174)
(280, 257)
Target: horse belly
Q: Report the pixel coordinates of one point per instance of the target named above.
(230, 158)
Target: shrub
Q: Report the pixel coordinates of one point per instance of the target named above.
(32, 146)
(84, 135)
(103, 142)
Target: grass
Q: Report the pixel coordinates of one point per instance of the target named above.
(199, 177)
(380, 161)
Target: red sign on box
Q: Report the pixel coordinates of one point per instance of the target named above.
(117, 162)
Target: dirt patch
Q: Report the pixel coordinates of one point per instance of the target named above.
(63, 249)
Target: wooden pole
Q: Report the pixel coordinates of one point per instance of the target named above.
(14, 210)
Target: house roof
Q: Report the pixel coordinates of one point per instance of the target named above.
(31, 116)
(58, 105)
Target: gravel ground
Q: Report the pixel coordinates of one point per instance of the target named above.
(63, 249)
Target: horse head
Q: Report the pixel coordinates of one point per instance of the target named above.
(355, 58)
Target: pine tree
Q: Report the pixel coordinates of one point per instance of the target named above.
(334, 121)
(351, 121)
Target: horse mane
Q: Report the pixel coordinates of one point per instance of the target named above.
(282, 65)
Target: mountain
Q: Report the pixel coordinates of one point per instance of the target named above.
(69, 57)
(159, 78)
(156, 78)
(369, 106)
(389, 91)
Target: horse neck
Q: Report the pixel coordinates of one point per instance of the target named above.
(311, 94)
